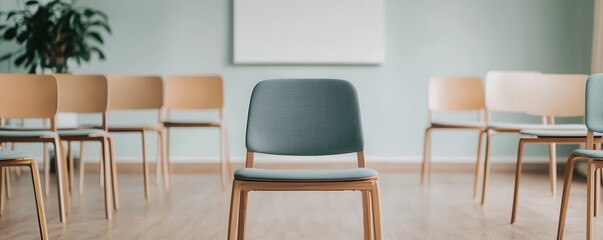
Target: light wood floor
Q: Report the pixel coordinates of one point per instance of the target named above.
(196, 208)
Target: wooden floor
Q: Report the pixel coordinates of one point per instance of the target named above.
(197, 208)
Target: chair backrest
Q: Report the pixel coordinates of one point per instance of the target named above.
(135, 92)
(194, 92)
(558, 95)
(28, 96)
(455, 94)
(304, 117)
(594, 103)
(508, 91)
(82, 93)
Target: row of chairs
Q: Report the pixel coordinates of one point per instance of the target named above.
(43, 96)
(545, 95)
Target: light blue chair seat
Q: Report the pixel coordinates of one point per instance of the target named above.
(589, 153)
(458, 124)
(28, 133)
(10, 155)
(521, 126)
(88, 132)
(557, 133)
(304, 175)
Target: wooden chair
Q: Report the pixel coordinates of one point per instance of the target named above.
(453, 94)
(510, 92)
(35, 96)
(88, 94)
(594, 158)
(557, 95)
(17, 159)
(138, 93)
(304, 117)
(197, 93)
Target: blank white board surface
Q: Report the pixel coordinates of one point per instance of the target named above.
(309, 31)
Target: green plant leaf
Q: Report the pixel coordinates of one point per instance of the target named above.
(6, 57)
(31, 3)
(10, 33)
(96, 36)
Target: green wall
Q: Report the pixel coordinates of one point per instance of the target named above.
(423, 38)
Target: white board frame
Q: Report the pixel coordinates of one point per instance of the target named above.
(309, 31)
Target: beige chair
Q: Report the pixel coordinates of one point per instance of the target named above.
(41, 102)
(453, 94)
(511, 92)
(88, 94)
(139, 93)
(197, 93)
(555, 95)
(16, 159)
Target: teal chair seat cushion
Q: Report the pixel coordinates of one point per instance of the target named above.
(589, 153)
(304, 175)
(87, 132)
(522, 126)
(557, 133)
(28, 133)
(458, 124)
(10, 155)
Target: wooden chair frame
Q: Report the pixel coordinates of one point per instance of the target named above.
(368, 187)
(593, 182)
(35, 178)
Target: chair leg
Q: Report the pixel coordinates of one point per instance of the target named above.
(145, 166)
(63, 205)
(167, 168)
(597, 191)
(242, 215)
(65, 177)
(159, 160)
(71, 168)
(553, 168)
(35, 178)
(101, 174)
(113, 173)
(2, 188)
(517, 180)
(9, 191)
(224, 161)
(486, 167)
(425, 171)
(82, 168)
(107, 183)
(376, 211)
(590, 177)
(17, 169)
(234, 210)
(46, 170)
(163, 163)
(367, 215)
(478, 164)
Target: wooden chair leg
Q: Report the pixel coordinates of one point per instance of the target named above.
(65, 177)
(486, 167)
(425, 171)
(553, 168)
(163, 156)
(2, 189)
(46, 158)
(590, 176)
(242, 215)
(35, 178)
(145, 166)
(82, 168)
(17, 169)
(113, 173)
(159, 160)
(376, 211)
(63, 205)
(71, 168)
(167, 165)
(234, 210)
(224, 175)
(478, 164)
(367, 215)
(517, 179)
(107, 184)
(597, 191)
(9, 191)
(101, 174)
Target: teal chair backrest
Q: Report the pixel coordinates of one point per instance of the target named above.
(304, 117)
(594, 103)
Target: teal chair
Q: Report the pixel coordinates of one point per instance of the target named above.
(304, 117)
(594, 158)
(17, 159)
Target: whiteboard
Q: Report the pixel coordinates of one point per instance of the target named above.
(309, 31)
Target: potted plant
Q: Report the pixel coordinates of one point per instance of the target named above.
(53, 35)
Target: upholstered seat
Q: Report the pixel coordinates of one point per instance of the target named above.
(87, 132)
(589, 153)
(191, 124)
(556, 133)
(132, 127)
(28, 134)
(521, 126)
(304, 175)
(445, 124)
(12, 155)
